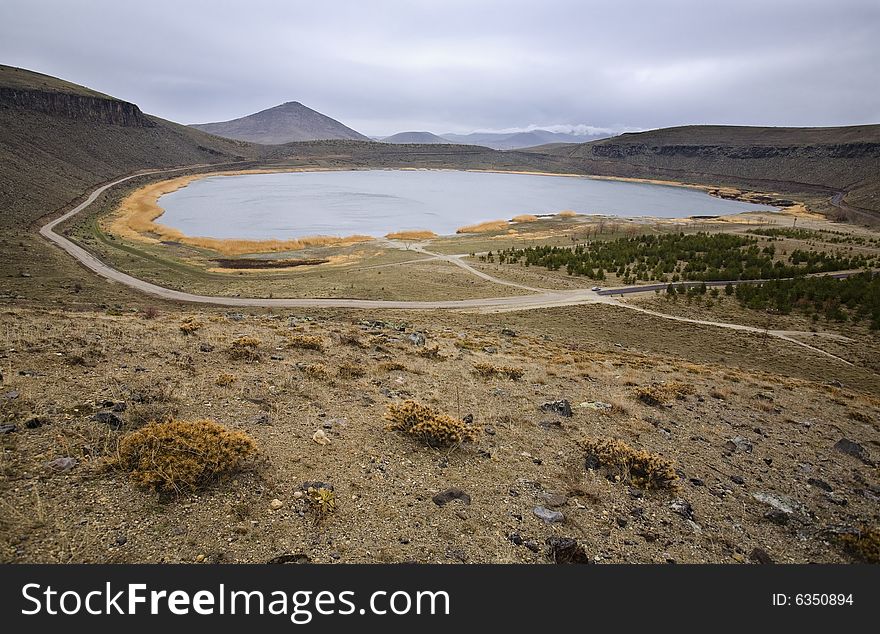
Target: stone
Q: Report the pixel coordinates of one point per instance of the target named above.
(533, 546)
(854, 449)
(836, 499)
(737, 479)
(320, 437)
(417, 339)
(7, 429)
(553, 500)
(565, 550)
(550, 424)
(276, 504)
(777, 502)
(507, 332)
(597, 405)
(777, 517)
(683, 508)
(759, 555)
(314, 484)
(206, 347)
(109, 418)
(821, 484)
(62, 465)
(516, 538)
(35, 421)
(298, 558)
(561, 407)
(489, 430)
(447, 496)
(697, 482)
(738, 443)
(11, 395)
(548, 515)
(261, 419)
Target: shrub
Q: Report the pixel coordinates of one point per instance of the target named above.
(224, 379)
(428, 425)
(432, 352)
(245, 348)
(660, 394)
(322, 501)
(306, 342)
(863, 544)
(150, 312)
(391, 366)
(317, 371)
(182, 455)
(487, 370)
(620, 462)
(350, 371)
(190, 325)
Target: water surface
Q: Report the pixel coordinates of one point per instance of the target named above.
(376, 202)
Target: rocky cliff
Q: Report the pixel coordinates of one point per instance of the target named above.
(78, 107)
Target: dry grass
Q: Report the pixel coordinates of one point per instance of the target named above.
(488, 371)
(322, 501)
(350, 371)
(567, 213)
(484, 227)
(524, 218)
(181, 455)
(863, 544)
(245, 348)
(306, 342)
(659, 394)
(620, 462)
(317, 371)
(225, 379)
(428, 425)
(411, 235)
(190, 325)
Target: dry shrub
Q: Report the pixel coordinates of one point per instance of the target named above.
(659, 394)
(350, 371)
(484, 227)
(245, 348)
(428, 425)
(721, 395)
(150, 312)
(182, 455)
(392, 366)
(306, 342)
(225, 379)
(190, 325)
(351, 339)
(524, 218)
(620, 462)
(322, 501)
(432, 352)
(411, 235)
(317, 371)
(487, 371)
(863, 544)
(861, 417)
(567, 213)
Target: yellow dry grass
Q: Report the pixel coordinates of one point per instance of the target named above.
(135, 219)
(524, 218)
(567, 213)
(484, 227)
(411, 235)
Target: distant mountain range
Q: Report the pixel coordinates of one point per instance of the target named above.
(494, 140)
(288, 122)
(413, 137)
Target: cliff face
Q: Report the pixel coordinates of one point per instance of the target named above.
(628, 150)
(78, 107)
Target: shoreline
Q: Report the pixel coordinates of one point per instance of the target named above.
(135, 217)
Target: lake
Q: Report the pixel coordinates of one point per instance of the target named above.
(377, 202)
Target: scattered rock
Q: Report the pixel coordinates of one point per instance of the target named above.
(553, 500)
(276, 504)
(206, 347)
(821, 484)
(507, 332)
(62, 465)
(598, 405)
(313, 484)
(417, 339)
(533, 546)
(738, 443)
(35, 421)
(836, 499)
(298, 558)
(489, 430)
(444, 497)
(261, 419)
(320, 437)
(550, 424)
(622, 522)
(737, 479)
(565, 550)
(759, 555)
(109, 418)
(468, 419)
(697, 482)
(7, 429)
(854, 449)
(778, 502)
(121, 540)
(561, 407)
(777, 517)
(516, 538)
(548, 515)
(11, 395)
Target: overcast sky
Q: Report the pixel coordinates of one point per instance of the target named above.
(464, 65)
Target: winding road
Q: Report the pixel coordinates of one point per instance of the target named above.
(541, 298)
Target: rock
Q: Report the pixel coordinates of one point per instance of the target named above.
(553, 500)
(597, 405)
(444, 497)
(122, 540)
(276, 504)
(683, 508)
(109, 418)
(35, 421)
(836, 499)
(550, 424)
(533, 546)
(565, 550)
(622, 522)
(298, 558)
(835, 383)
(468, 419)
(417, 339)
(547, 515)
(261, 419)
(313, 484)
(821, 484)
(759, 555)
(737, 479)
(854, 449)
(778, 502)
(507, 332)
(777, 517)
(738, 443)
(320, 437)
(697, 482)
(119, 407)
(489, 430)
(62, 465)
(516, 538)
(206, 347)
(7, 429)
(11, 395)
(561, 407)
(490, 349)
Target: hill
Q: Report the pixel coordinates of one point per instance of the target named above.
(793, 160)
(60, 140)
(516, 140)
(288, 122)
(414, 137)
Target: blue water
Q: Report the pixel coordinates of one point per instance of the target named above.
(376, 202)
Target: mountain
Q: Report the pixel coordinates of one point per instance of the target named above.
(517, 140)
(59, 140)
(793, 160)
(414, 137)
(288, 122)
